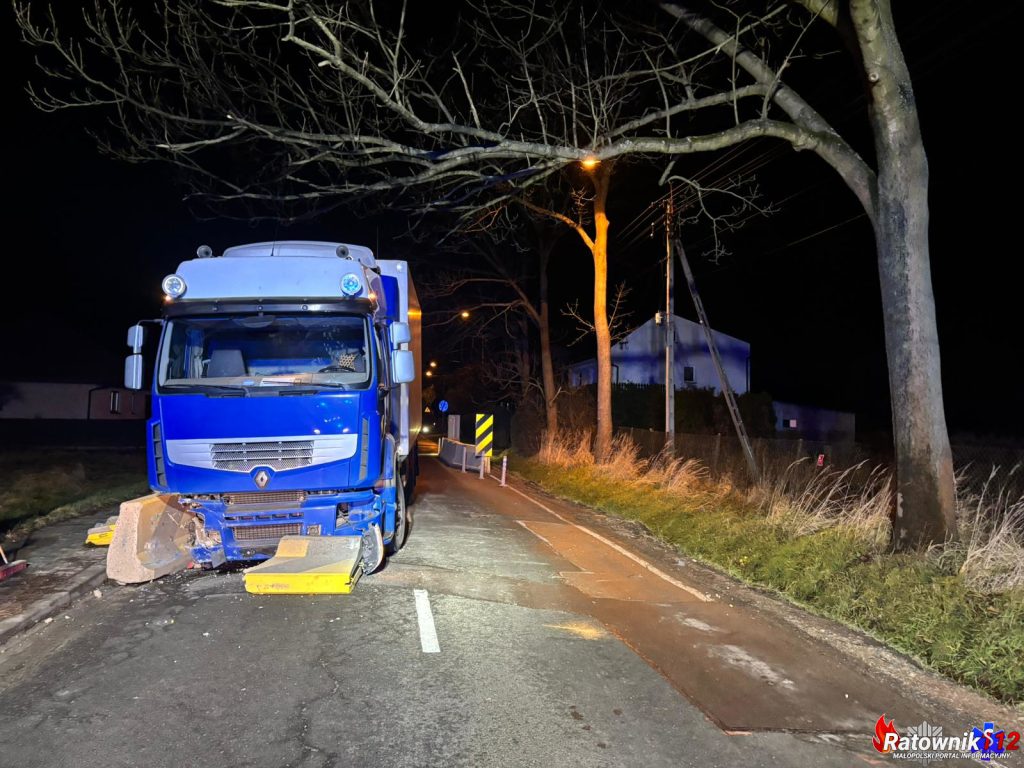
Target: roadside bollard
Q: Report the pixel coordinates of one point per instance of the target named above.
(482, 460)
(463, 458)
(504, 468)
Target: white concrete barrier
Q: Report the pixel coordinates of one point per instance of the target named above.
(151, 539)
(453, 453)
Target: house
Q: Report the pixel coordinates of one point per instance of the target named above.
(70, 401)
(813, 423)
(639, 358)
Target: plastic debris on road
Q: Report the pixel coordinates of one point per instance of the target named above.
(101, 535)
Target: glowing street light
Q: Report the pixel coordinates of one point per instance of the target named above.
(464, 314)
(589, 163)
(433, 363)
(429, 374)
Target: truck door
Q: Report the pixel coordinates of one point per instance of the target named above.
(383, 380)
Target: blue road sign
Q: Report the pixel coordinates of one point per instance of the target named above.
(443, 406)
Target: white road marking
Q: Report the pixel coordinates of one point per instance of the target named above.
(428, 634)
(625, 552)
(522, 523)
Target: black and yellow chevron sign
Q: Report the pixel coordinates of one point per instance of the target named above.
(484, 434)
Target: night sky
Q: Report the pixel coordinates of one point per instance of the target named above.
(91, 238)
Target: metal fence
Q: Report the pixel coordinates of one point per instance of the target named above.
(722, 455)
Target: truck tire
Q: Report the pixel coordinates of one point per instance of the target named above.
(401, 528)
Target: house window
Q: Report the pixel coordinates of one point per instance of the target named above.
(115, 402)
(688, 374)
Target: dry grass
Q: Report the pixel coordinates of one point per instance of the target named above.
(677, 475)
(624, 465)
(857, 499)
(989, 557)
(802, 501)
(566, 449)
(573, 449)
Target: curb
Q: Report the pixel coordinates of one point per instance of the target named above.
(78, 585)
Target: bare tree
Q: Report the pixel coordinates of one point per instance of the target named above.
(297, 103)
(338, 103)
(895, 197)
(503, 275)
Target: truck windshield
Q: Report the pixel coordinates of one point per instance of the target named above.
(237, 352)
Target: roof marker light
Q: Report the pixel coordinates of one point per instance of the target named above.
(351, 285)
(174, 286)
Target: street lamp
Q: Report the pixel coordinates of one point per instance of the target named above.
(429, 373)
(464, 314)
(433, 363)
(589, 163)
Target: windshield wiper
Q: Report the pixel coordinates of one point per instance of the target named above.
(223, 390)
(311, 389)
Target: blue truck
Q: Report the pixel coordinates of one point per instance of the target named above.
(286, 398)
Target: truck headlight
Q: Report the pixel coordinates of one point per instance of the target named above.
(174, 286)
(351, 285)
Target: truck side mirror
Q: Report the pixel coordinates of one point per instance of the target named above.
(136, 338)
(400, 334)
(133, 371)
(403, 366)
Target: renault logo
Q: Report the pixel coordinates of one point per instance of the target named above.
(262, 478)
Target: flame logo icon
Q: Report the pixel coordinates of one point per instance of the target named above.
(883, 729)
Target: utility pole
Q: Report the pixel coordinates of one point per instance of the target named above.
(730, 398)
(670, 340)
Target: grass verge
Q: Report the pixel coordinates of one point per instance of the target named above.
(45, 487)
(918, 604)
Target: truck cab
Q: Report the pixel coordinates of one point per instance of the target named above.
(285, 396)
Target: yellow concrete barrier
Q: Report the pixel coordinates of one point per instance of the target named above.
(308, 565)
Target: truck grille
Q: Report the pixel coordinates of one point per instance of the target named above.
(280, 453)
(266, 497)
(273, 532)
(241, 457)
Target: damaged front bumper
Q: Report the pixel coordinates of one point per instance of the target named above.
(241, 527)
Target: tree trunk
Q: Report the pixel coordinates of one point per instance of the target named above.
(603, 439)
(547, 369)
(925, 501)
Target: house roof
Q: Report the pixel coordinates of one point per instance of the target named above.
(677, 319)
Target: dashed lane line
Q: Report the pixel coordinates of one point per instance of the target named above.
(425, 617)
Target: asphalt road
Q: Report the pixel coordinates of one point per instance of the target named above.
(558, 643)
